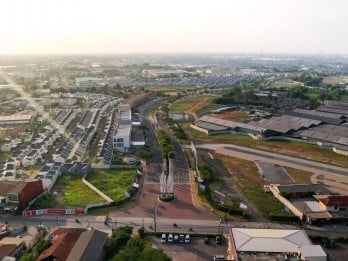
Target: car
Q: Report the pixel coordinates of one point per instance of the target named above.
(181, 239)
(170, 238)
(187, 239)
(164, 238)
(218, 240)
(176, 238)
(219, 257)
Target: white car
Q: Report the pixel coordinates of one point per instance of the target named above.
(170, 238)
(187, 239)
(164, 238)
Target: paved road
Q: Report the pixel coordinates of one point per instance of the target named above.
(284, 160)
(164, 224)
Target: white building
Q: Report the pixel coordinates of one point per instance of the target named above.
(251, 241)
(88, 82)
(122, 139)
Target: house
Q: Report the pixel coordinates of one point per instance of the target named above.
(75, 244)
(63, 240)
(89, 246)
(7, 250)
(20, 193)
(333, 203)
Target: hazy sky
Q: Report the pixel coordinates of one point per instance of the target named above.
(133, 26)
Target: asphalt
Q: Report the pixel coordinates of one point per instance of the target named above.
(284, 160)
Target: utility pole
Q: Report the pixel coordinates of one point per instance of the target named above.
(154, 216)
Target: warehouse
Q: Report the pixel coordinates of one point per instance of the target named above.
(255, 244)
(16, 119)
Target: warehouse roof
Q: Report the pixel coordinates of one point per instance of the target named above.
(286, 123)
(269, 240)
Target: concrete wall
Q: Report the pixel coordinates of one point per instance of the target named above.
(286, 202)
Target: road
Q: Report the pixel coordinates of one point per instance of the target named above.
(284, 160)
(165, 224)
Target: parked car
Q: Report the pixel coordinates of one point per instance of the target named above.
(164, 238)
(170, 238)
(187, 239)
(218, 240)
(176, 238)
(181, 239)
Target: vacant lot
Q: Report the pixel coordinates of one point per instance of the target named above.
(72, 192)
(192, 104)
(247, 178)
(298, 149)
(232, 115)
(113, 182)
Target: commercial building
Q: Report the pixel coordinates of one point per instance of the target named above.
(272, 244)
(88, 82)
(122, 138)
(16, 119)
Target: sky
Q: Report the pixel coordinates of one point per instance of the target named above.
(180, 26)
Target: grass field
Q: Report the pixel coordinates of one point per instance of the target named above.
(74, 193)
(192, 104)
(295, 148)
(300, 176)
(113, 182)
(4, 155)
(247, 178)
(286, 85)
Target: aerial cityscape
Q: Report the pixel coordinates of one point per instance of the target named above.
(160, 131)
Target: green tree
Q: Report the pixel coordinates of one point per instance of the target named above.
(313, 103)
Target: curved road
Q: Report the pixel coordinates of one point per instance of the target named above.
(294, 162)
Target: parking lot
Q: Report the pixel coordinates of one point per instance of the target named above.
(196, 250)
(274, 173)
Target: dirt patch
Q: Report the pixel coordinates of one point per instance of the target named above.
(231, 115)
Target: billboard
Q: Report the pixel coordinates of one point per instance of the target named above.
(52, 211)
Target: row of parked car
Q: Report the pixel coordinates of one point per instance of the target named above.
(175, 238)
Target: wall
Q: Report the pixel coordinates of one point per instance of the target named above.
(30, 191)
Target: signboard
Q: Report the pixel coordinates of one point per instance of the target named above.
(53, 211)
(219, 197)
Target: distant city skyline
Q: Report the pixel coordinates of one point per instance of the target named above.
(154, 26)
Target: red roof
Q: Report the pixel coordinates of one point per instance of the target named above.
(64, 240)
(335, 201)
(7, 250)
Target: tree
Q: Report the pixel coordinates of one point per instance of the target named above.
(313, 103)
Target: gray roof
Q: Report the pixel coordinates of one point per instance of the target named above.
(89, 246)
(328, 133)
(303, 188)
(285, 123)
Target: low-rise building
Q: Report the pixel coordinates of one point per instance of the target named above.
(20, 193)
(272, 244)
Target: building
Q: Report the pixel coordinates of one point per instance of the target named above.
(75, 244)
(88, 82)
(19, 193)
(16, 119)
(270, 244)
(122, 138)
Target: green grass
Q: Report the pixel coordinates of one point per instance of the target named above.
(266, 203)
(284, 85)
(76, 193)
(113, 182)
(295, 148)
(251, 185)
(4, 155)
(46, 201)
(189, 103)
